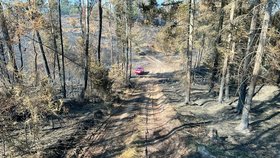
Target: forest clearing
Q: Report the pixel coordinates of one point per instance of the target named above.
(129, 79)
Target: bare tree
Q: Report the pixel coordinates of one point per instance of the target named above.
(216, 43)
(189, 50)
(100, 31)
(35, 61)
(7, 40)
(225, 70)
(247, 59)
(43, 54)
(258, 60)
(111, 35)
(81, 17)
(86, 50)
(127, 41)
(55, 48)
(21, 53)
(3, 64)
(62, 51)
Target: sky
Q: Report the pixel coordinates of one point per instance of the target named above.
(160, 1)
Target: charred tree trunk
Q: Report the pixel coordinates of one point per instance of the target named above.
(189, 52)
(56, 53)
(81, 18)
(227, 83)
(111, 38)
(228, 74)
(247, 59)
(130, 55)
(86, 50)
(21, 53)
(43, 55)
(7, 40)
(259, 55)
(213, 78)
(62, 51)
(199, 55)
(225, 71)
(278, 78)
(130, 14)
(3, 64)
(57, 60)
(127, 59)
(229, 67)
(82, 27)
(123, 57)
(127, 43)
(35, 62)
(100, 32)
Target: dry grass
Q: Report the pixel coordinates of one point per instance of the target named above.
(129, 153)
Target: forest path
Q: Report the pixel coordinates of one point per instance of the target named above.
(159, 118)
(145, 122)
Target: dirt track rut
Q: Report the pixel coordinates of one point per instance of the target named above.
(143, 124)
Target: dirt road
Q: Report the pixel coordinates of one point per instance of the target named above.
(142, 127)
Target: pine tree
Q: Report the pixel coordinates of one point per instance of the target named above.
(258, 60)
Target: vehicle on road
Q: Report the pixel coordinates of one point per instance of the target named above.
(139, 70)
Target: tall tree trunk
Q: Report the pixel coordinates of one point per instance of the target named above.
(220, 98)
(227, 83)
(130, 55)
(247, 59)
(21, 53)
(127, 60)
(81, 18)
(278, 78)
(189, 51)
(123, 56)
(232, 52)
(86, 51)
(225, 71)
(7, 40)
(100, 31)
(62, 51)
(43, 54)
(127, 42)
(111, 37)
(81, 11)
(54, 66)
(56, 53)
(3, 63)
(118, 54)
(258, 60)
(228, 76)
(216, 43)
(56, 59)
(35, 62)
(199, 58)
(196, 64)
